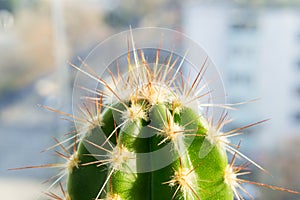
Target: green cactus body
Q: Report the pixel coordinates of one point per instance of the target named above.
(146, 146)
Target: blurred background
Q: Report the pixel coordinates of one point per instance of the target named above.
(254, 43)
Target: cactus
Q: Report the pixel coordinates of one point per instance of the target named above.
(122, 168)
(146, 135)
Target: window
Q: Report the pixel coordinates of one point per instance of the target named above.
(240, 78)
(297, 90)
(297, 117)
(298, 64)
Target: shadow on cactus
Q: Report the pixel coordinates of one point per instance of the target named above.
(149, 120)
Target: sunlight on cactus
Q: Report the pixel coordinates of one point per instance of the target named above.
(149, 131)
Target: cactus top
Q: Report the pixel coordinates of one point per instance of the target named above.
(151, 140)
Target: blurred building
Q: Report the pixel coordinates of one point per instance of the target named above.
(257, 50)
